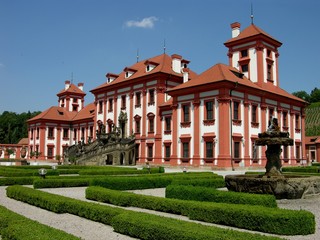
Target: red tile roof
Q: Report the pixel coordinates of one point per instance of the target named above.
(251, 31)
(72, 89)
(216, 73)
(164, 65)
(221, 72)
(86, 113)
(313, 140)
(54, 113)
(23, 141)
(61, 114)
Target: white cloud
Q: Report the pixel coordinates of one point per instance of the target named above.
(144, 23)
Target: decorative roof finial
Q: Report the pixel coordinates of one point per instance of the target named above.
(164, 46)
(138, 55)
(251, 13)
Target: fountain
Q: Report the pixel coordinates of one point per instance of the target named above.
(273, 181)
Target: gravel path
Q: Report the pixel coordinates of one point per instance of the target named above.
(86, 229)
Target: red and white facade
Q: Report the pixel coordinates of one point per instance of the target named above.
(57, 128)
(180, 118)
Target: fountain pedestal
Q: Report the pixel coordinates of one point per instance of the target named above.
(273, 182)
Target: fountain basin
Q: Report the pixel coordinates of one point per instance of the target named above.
(282, 187)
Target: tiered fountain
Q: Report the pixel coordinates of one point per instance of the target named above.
(273, 181)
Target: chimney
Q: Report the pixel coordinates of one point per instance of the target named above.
(235, 29)
(67, 84)
(80, 86)
(176, 63)
(185, 72)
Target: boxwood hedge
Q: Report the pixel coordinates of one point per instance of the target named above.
(212, 195)
(15, 226)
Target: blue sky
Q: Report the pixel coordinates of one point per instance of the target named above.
(45, 42)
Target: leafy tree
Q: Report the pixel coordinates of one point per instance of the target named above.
(13, 126)
(303, 95)
(315, 95)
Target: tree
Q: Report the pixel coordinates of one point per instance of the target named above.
(13, 126)
(315, 95)
(303, 95)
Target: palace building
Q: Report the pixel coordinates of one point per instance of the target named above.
(181, 118)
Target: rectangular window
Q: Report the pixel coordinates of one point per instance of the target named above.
(244, 68)
(254, 114)
(209, 110)
(151, 96)
(100, 106)
(38, 132)
(236, 153)
(150, 152)
(138, 99)
(285, 152)
(50, 152)
(123, 102)
(186, 114)
(137, 126)
(255, 152)
(168, 151)
(185, 153)
(82, 133)
(298, 152)
(297, 119)
(110, 104)
(65, 133)
(50, 132)
(244, 53)
(74, 108)
(269, 72)
(168, 123)
(151, 125)
(74, 134)
(285, 119)
(91, 131)
(235, 110)
(209, 149)
(271, 111)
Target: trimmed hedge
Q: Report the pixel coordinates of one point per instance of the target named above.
(150, 181)
(126, 221)
(118, 171)
(151, 227)
(211, 195)
(15, 226)
(217, 182)
(131, 183)
(60, 183)
(61, 204)
(270, 220)
(16, 181)
(306, 169)
(258, 218)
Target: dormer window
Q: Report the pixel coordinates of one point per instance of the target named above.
(184, 63)
(129, 72)
(111, 77)
(150, 65)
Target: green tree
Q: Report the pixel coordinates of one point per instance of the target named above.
(315, 95)
(303, 95)
(13, 126)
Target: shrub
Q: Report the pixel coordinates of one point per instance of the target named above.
(60, 183)
(15, 226)
(147, 226)
(258, 218)
(16, 181)
(211, 182)
(212, 195)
